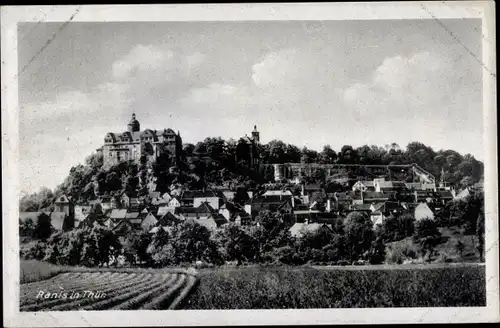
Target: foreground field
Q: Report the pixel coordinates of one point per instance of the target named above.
(282, 287)
(111, 290)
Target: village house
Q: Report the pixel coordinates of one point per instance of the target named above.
(381, 185)
(203, 211)
(64, 205)
(212, 222)
(187, 197)
(165, 209)
(169, 219)
(363, 186)
(423, 211)
(148, 221)
(299, 229)
(129, 201)
(370, 197)
(277, 193)
(272, 203)
(174, 202)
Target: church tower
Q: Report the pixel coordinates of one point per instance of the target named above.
(133, 125)
(255, 134)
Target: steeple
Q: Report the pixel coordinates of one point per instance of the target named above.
(255, 134)
(133, 125)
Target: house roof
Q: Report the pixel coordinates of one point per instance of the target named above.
(446, 194)
(132, 215)
(164, 209)
(277, 193)
(62, 199)
(366, 183)
(169, 219)
(392, 185)
(341, 196)
(218, 218)
(312, 187)
(191, 194)
(154, 194)
(118, 214)
(361, 207)
(298, 229)
(268, 199)
(378, 206)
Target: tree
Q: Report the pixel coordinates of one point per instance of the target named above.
(480, 235)
(359, 234)
(427, 235)
(43, 227)
(237, 244)
(26, 227)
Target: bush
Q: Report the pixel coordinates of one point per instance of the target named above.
(399, 252)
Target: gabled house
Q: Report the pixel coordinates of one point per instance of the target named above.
(277, 193)
(188, 197)
(423, 211)
(203, 211)
(165, 209)
(174, 202)
(299, 229)
(272, 203)
(363, 186)
(377, 217)
(370, 197)
(360, 208)
(149, 221)
(169, 219)
(129, 200)
(212, 222)
(122, 228)
(381, 185)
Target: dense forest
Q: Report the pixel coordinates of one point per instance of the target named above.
(215, 161)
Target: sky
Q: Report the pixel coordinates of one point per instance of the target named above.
(307, 83)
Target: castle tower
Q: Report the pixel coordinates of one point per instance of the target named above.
(134, 125)
(256, 134)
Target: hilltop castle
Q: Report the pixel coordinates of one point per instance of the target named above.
(133, 143)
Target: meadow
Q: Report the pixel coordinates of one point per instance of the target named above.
(254, 287)
(337, 287)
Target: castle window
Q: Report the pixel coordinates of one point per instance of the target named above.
(110, 154)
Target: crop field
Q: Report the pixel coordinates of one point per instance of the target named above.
(108, 290)
(353, 287)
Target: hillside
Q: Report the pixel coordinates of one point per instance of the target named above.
(220, 162)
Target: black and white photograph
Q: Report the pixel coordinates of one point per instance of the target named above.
(218, 162)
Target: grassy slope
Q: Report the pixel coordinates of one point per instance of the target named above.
(286, 287)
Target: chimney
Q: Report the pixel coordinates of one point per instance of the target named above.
(306, 221)
(416, 196)
(293, 202)
(362, 198)
(328, 205)
(303, 190)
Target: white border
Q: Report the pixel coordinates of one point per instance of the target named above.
(10, 16)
